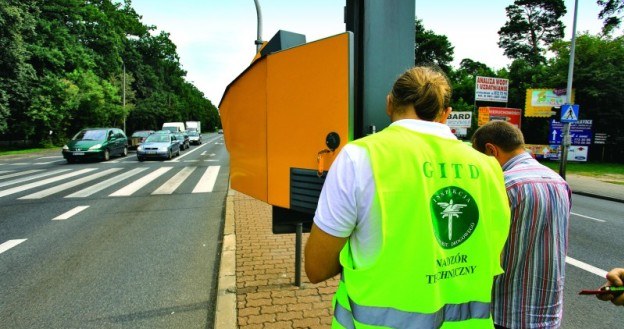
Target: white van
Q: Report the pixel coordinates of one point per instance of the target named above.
(174, 126)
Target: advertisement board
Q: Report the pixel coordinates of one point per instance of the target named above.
(491, 89)
(539, 102)
(490, 113)
(460, 119)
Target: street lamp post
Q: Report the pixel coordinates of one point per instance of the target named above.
(258, 41)
(124, 96)
(565, 141)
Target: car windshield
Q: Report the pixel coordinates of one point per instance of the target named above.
(141, 134)
(90, 135)
(158, 138)
(193, 133)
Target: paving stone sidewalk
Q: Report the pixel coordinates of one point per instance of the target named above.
(266, 296)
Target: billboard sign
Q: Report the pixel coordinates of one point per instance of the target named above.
(491, 89)
(460, 119)
(490, 113)
(539, 102)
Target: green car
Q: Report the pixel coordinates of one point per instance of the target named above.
(96, 143)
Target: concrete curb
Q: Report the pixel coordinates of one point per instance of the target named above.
(226, 314)
(597, 196)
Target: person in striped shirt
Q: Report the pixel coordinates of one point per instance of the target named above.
(530, 292)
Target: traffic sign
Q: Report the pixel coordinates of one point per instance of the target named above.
(580, 132)
(569, 113)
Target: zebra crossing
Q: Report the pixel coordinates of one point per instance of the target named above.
(42, 184)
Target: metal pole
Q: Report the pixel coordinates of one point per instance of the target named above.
(258, 41)
(124, 96)
(565, 141)
(298, 238)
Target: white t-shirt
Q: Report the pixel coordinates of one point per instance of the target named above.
(346, 207)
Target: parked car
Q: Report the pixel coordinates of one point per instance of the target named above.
(96, 143)
(138, 137)
(185, 142)
(158, 145)
(194, 137)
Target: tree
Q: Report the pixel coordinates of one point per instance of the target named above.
(17, 25)
(598, 77)
(532, 26)
(432, 48)
(611, 14)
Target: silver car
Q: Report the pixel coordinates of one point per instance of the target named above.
(194, 137)
(158, 145)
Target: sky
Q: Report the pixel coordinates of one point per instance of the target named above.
(215, 38)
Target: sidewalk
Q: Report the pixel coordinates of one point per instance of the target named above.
(256, 280)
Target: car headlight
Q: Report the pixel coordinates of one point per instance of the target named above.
(95, 147)
(139, 148)
(65, 147)
(163, 149)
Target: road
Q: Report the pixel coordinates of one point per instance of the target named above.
(80, 253)
(116, 244)
(596, 242)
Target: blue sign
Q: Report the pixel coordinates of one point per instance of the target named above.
(569, 113)
(580, 132)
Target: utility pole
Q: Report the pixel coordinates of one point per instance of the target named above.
(565, 141)
(124, 96)
(258, 41)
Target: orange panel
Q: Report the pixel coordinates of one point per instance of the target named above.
(308, 96)
(244, 120)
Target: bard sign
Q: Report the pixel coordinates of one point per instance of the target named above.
(491, 89)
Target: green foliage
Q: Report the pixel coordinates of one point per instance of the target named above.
(431, 48)
(62, 68)
(532, 26)
(611, 14)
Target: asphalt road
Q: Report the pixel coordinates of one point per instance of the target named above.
(596, 244)
(82, 249)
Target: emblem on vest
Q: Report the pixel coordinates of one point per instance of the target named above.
(455, 216)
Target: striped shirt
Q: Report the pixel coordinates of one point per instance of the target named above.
(530, 292)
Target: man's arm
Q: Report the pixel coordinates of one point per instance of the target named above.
(321, 255)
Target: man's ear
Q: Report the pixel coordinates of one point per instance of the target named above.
(491, 149)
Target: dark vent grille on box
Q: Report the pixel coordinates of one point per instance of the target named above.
(305, 189)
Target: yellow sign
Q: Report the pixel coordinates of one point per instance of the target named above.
(539, 102)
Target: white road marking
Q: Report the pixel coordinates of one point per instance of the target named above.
(25, 179)
(211, 160)
(592, 218)
(136, 185)
(191, 160)
(70, 213)
(187, 153)
(104, 184)
(174, 182)
(44, 182)
(21, 173)
(204, 153)
(207, 181)
(49, 162)
(8, 171)
(51, 157)
(10, 244)
(68, 185)
(19, 164)
(586, 267)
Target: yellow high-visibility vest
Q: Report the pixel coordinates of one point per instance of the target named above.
(444, 221)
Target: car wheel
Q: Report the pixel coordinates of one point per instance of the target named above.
(125, 151)
(169, 155)
(106, 155)
(140, 159)
(70, 160)
(178, 154)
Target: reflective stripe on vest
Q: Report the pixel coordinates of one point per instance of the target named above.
(393, 318)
